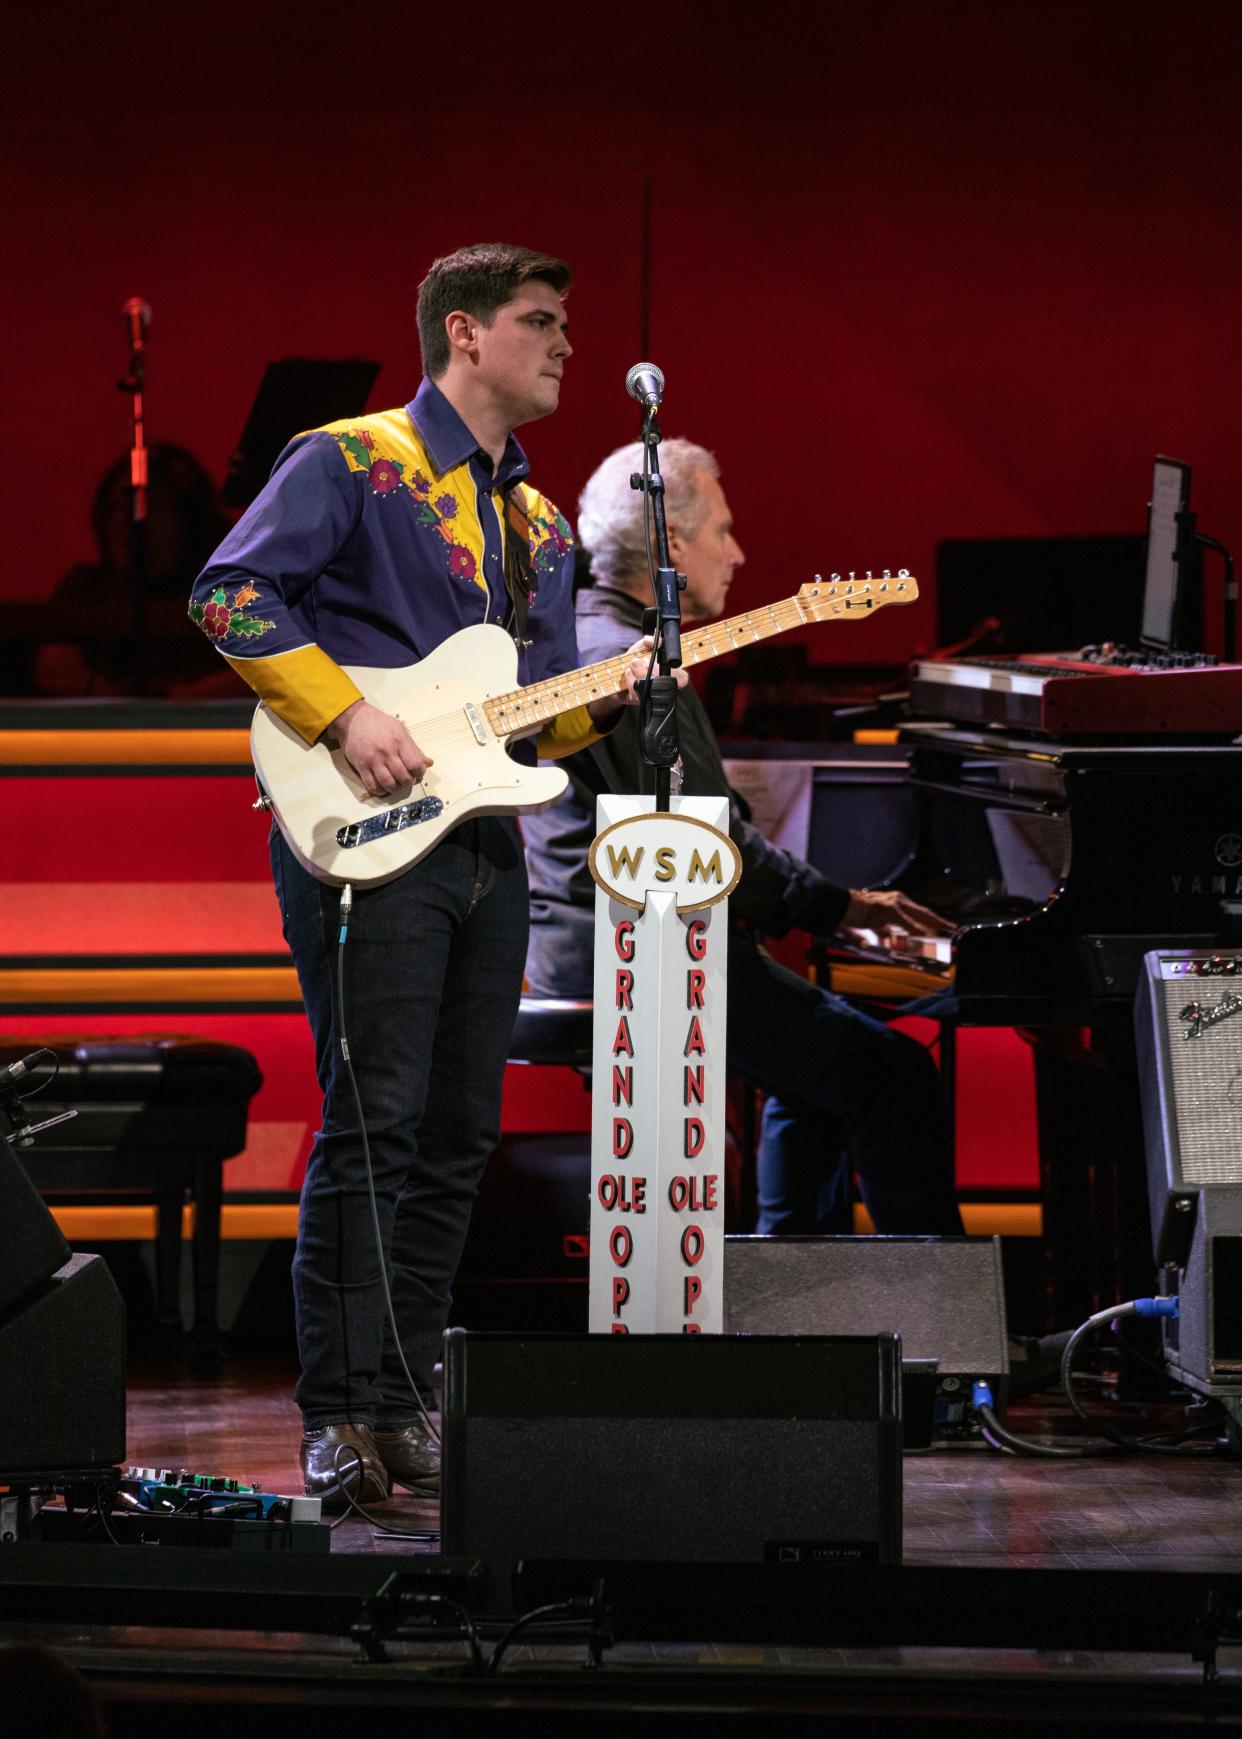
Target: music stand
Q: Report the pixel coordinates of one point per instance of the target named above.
(296, 393)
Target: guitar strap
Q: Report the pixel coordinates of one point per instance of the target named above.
(517, 563)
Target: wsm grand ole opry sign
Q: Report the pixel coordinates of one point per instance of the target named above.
(657, 1129)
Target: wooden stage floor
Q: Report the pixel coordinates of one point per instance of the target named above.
(963, 1506)
(964, 1509)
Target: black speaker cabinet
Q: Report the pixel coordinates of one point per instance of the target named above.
(671, 1448)
(62, 1374)
(944, 1296)
(1188, 1029)
(31, 1247)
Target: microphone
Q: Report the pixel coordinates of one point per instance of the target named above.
(17, 1071)
(138, 313)
(645, 382)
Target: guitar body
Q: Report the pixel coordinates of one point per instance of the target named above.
(315, 793)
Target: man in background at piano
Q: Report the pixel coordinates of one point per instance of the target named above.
(845, 1092)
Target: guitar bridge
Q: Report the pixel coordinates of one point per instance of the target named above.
(390, 821)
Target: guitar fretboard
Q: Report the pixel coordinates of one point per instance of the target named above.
(526, 709)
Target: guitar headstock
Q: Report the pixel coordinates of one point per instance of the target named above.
(851, 596)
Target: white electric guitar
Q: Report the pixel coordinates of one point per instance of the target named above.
(461, 708)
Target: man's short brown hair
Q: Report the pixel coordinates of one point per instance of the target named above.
(478, 280)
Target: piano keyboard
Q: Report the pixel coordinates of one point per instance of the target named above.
(1072, 698)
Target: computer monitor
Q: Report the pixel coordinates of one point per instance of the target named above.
(1169, 585)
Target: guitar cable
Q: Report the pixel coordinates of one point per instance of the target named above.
(347, 906)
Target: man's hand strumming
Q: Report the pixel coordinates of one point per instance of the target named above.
(379, 748)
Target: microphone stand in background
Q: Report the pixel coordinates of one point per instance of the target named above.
(137, 316)
(658, 741)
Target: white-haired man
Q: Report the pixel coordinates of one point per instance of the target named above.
(836, 1079)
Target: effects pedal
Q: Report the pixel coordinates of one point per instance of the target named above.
(165, 1492)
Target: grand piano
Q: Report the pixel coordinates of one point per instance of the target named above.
(1066, 864)
(1062, 865)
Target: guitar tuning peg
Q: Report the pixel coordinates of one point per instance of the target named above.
(835, 578)
(887, 575)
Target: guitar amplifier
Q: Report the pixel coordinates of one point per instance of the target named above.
(944, 1297)
(1188, 1019)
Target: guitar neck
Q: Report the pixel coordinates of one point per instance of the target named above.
(526, 709)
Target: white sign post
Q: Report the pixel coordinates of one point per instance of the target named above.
(658, 1096)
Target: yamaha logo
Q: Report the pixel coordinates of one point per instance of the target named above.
(1229, 850)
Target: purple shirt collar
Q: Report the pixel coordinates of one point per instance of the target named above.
(449, 442)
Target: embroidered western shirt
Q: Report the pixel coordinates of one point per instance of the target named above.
(373, 541)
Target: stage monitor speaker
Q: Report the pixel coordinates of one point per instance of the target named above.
(62, 1374)
(945, 1297)
(1188, 1028)
(671, 1448)
(31, 1247)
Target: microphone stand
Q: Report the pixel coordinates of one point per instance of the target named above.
(138, 314)
(657, 715)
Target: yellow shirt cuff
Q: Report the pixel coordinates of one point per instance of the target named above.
(571, 731)
(305, 687)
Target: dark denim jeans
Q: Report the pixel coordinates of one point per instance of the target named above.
(432, 977)
(849, 1093)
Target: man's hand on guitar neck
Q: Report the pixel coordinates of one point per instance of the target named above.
(379, 748)
(639, 655)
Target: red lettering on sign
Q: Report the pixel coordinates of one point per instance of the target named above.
(622, 1137)
(620, 1328)
(696, 1193)
(623, 1084)
(621, 1245)
(686, 1328)
(623, 1043)
(696, 978)
(694, 1291)
(696, 939)
(692, 1243)
(625, 988)
(627, 1194)
(620, 1292)
(694, 1084)
(694, 1040)
(696, 1135)
(623, 939)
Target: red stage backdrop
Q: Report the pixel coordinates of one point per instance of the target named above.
(917, 269)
